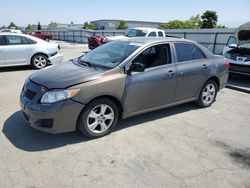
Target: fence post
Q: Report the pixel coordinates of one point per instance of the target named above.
(185, 33)
(215, 41)
(73, 36)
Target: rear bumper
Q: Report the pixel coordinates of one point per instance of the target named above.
(58, 58)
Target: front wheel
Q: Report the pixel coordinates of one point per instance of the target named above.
(208, 94)
(98, 118)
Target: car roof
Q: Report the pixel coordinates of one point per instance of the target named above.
(11, 33)
(147, 40)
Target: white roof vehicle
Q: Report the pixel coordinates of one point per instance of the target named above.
(21, 49)
(140, 32)
(238, 51)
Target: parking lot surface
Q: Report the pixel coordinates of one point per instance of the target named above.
(182, 146)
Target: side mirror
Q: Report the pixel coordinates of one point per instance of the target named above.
(136, 67)
(232, 46)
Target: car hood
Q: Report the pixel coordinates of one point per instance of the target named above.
(65, 75)
(243, 34)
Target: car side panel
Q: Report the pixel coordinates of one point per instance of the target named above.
(191, 76)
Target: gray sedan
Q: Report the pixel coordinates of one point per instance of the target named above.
(121, 79)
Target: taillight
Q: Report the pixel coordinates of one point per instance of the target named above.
(227, 64)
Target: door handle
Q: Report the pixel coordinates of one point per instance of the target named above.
(171, 73)
(29, 49)
(1, 50)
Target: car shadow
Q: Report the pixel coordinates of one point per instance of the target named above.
(26, 138)
(239, 82)
(16, 68)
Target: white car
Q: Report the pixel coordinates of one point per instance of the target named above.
(237, 51)
(22, 49)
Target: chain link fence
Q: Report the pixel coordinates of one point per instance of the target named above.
(213, 39)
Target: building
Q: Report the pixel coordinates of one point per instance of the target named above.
(62, 26)
(112, 24)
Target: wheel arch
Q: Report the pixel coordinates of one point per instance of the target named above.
(216, 79)
(42, 53)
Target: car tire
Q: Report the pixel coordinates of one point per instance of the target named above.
(207, 94)
(98, 118)
(39, 61)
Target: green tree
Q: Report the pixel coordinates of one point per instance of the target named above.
(220, 26)
(209, 19)
(88, 25)
(39, 27)
(29, 27)
(193, 22)
(12, 25)
(122, 25)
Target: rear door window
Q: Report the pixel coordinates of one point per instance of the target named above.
(188, 52)
(160, 34)
(17, 40)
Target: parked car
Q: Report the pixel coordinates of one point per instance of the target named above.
(21, 49)
(41, 35)
(121, 79)
(11, 31)
(237, 51)
(96, 41)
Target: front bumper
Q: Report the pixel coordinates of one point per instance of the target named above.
(58, 58)
(58, 117)
(242, 68)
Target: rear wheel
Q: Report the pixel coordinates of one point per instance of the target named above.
(208, 94)
(39, 61)
(99, 118)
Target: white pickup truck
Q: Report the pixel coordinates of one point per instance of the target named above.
(140, 32)
(96, 41)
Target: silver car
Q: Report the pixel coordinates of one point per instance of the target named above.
(121, 79)
(20, 49)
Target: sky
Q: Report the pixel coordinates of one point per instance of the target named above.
(231, 13)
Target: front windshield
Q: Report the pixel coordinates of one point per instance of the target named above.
(136, 33)
(110, 54)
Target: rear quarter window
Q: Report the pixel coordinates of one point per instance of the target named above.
(188, 52)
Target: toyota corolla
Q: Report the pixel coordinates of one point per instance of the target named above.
(121, 79)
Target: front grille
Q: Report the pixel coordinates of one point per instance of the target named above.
(234, 57)
(30, 94)
(240, 68)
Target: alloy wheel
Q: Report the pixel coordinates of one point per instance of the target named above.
(40, 62)
(100, 118)
(208, 94)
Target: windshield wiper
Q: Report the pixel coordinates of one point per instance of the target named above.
(86, 63)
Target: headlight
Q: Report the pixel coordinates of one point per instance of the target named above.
(55, 96)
